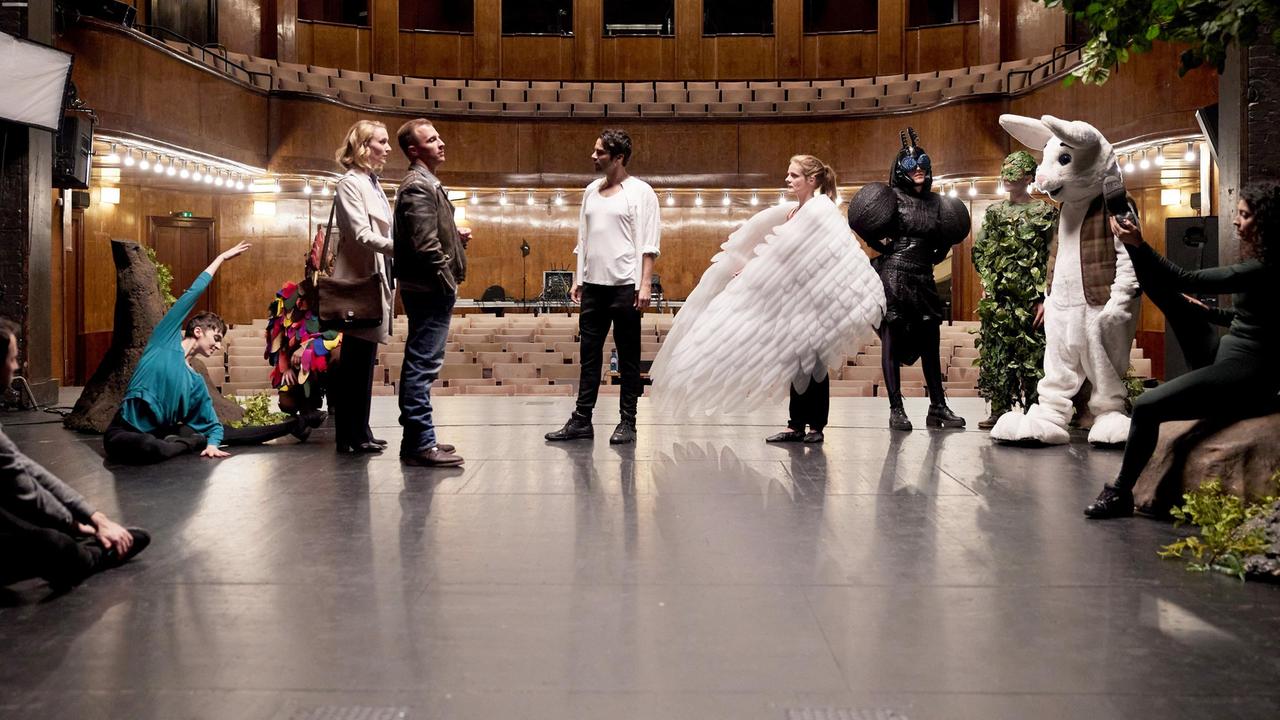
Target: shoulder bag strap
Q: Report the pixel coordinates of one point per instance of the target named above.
(328, 233)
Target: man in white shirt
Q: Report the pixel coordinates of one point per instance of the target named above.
(618, 236)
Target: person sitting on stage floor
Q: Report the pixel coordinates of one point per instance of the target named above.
(48, 530)
(1233, 377)
(167, 410)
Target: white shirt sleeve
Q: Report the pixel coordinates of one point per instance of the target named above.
(649, 232)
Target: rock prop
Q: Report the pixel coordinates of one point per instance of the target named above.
(1266, 565)
(1242, 454)
(138, 310)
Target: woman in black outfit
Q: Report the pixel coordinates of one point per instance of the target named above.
(1240, 378)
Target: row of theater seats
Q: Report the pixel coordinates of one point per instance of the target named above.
(538, 355)
(597, 99)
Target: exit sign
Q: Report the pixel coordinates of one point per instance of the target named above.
(183, 213)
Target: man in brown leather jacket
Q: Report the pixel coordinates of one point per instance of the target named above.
(430, 261)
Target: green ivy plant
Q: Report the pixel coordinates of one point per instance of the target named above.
(1119, 28)
(257, 411)
(1010, 255)
(1224, 540)
(164, 279)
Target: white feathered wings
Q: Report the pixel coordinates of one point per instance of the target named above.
(807, 297)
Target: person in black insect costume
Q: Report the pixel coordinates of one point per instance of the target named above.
(913, 229)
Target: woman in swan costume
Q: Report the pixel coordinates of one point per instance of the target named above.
(789, 295)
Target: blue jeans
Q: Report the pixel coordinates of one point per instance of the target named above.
(423, 357)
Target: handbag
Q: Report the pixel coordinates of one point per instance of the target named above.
(345, 304)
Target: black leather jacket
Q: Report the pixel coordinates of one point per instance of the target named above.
(429, 255)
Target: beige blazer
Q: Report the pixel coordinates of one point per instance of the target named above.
(362, 223)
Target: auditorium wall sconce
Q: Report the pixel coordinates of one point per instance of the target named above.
(109, 195)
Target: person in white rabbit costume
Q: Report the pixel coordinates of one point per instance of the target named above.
(1091, 305)
(789, 295)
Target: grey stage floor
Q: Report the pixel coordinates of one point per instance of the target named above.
(698, 574)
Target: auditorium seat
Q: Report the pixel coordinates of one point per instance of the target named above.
(353, 98)
(622, 109)
(465, 370)
(927, 97)
(903, 87)
(555, 109)
(863, 91)
(838, 92)
(337, 83)
(488, 390)
(587, 109)
(376, 87)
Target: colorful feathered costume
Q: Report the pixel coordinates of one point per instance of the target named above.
(293, 328)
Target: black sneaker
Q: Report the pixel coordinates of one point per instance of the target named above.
(813, 437)
(141, 539)
(941, 416)
(898, 419)
(305, 422)
(577, 428)
(624, 434)
(1112, 502)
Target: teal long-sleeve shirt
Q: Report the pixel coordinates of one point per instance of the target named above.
(164, 391)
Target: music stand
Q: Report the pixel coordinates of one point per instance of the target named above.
(524, 272)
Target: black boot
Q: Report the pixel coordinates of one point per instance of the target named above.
(941, 416)
(898, 418)
(578, 427)
(1112, 502)
(788, 435)
(624, 434)
(991, 421)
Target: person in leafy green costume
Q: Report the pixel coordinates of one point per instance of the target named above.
(1010, 254)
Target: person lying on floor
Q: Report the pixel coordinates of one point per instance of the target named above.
(167, 410)
(47, 529)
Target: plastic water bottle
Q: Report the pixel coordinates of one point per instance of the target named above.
(613, 360)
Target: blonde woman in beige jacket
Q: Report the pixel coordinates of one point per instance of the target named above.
(363, 227)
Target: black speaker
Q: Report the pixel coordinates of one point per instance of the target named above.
(80, 199)
(109, 10)
(72, 149)
(1192, 244)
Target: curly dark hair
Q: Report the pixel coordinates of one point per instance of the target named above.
(617, 142)
(8, 334)
(1264, 200)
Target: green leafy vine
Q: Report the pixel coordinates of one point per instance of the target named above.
(164, 279)
(1226, 537)
(257, 411)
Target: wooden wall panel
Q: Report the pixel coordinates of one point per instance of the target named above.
(334, 46)
(840, 55)
(789, 32)
(1028, 29)
(425, 54)
(732, 57)
(941, 48)
(487, 60)
(890, 57)
(637, 58)
(187, 104)
(240, 25)
(588, 29)
(689, 41)
(384, 37)
(537, 57)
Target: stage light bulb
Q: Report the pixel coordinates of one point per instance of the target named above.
(218, 181)
(755, 199)
(306, 187)
(171, 170)
(502, 198)
(782, 197)
(475, 198)
(128, 158)
(324, 189)
(671, 199)
(185, 174)
(1128, 164)
(559, 198)
(208, 177)
(1191, 153)
(952, 192)
(697, 200)
(1144, 163)
(113, 156)
(528, 200)
(1000, 187)
(725, 201)
(239, 183)
(144, 164)
(973, 189)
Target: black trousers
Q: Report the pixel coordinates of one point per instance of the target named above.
(1231, 379)
(127, 444)
(28, 551)
(351, 391)
(812, 406)
(602, 306)
(931, 344)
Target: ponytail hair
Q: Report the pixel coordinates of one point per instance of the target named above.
(812, 167)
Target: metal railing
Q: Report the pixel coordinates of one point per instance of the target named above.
(213, 55)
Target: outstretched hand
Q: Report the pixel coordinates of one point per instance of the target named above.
(213, 451)
(239, 249)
